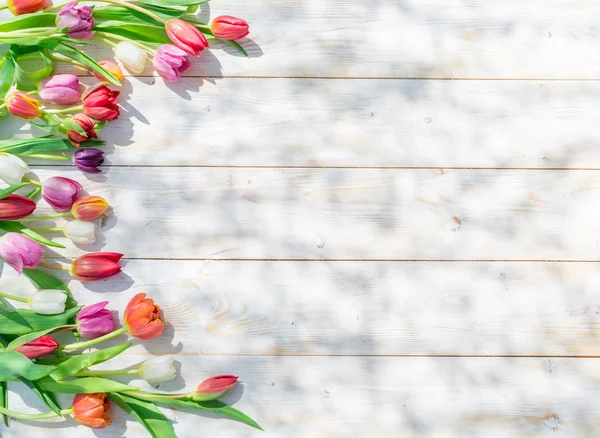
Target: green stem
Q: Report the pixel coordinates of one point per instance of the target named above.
(29, 33)
(71, 109)
(118, 3)
(23, 416)
(13, 297)
(86, 344)
(44, 218)
(31, 181)
(104, 37)
(62, 58)
(2, 106)
(151, 395)
(54, 267)
(101, 373)
(47, 229)
(46, 157)
(3, 7)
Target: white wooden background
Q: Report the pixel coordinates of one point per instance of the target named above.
(385, 221)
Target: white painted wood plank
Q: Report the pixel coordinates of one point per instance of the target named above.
(357, 397)
(346, 213)
(354, 308)
(315, 122)
(409, 38)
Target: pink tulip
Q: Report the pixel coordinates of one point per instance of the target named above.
(170, 61)
(60, 89)
(20, 251)
(95, 321)
(227, 27)
(186, 36)
(214, 388)
(76, 21)
(60, 192)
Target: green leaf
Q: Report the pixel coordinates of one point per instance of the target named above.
(31, 146)
(214, 406)
(13, 364)
(23, 321)
(146, 414)
(43, 280)
(7, 75)
(47, 397)
(17, 227)
(74, 364)
(7, 191)
(237, 46)
(84, 385)
(32, 64)
(22, 340)
(72, 125)
(171, 3)
(135, 31)
(4, 399)
(28, 21)
(118, 13)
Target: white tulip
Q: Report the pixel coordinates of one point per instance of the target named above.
(48, 301)
(158, 369)
(80, 231)
(12, 169)
(131, 56)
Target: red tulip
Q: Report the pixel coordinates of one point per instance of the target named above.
(186, 36)
(96, 266)
(227, 27)
(214, 388)
(92, 410)
(88, 208)
(99, 103)
(142, 318)
(88, 127)
(23, 105)
(39, 347)
(15, 207)
(19, 7)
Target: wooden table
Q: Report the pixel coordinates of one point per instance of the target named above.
(386, 221)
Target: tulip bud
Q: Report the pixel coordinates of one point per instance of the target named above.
(20, 7)
(92, 410)
(158, 369)
(15, 207)
(214, 388)
(170, 61)
(23, 105)
(12, 169)
(88, 127)
(186, 36)
(80, 232)
(42, 346)
(61, 192)
(76, 21)
(227, 27)
(112, 68)
(95, 321)
(60, 89)
(96, 266)
(99, 103)
(19, 251)
(131, 56)
(48, 301)
(142, 318)
(89, 159)
(89, 208)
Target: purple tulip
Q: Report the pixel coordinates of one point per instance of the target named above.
(170, 61)
(60, 89)
(20, 251)
(95, 321)
(75, 20)
(60, 192)
(89, 159)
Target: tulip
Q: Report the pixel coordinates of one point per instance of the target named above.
(12, 169)
(19, 251)
(80, 232)
(39, 347)
(227, 27)
(214, 388)
(89, 208)
(170, 61)
(95, 321)
(96, 266)
(89, 159)
(142, 318)
(76, 21)
(23, 105)
(158, 369)
(48, 301)
(60, 192)
(186, 36)
(99, 103)
(131, 56)
(112, 68)
(92, 410)
(88, 126)
(20, 7)
(15, 207)
(60, 89)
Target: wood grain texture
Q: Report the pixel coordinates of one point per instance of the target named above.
(356, 308)
(316, 122)
(380, 397)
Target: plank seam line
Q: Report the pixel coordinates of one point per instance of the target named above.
(384, 78)
(406, 356)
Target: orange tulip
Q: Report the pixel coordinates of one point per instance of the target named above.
(142, 318)
(112, 68)
(92, 410)
(23, 105)
(19, 7)
(89, 208)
